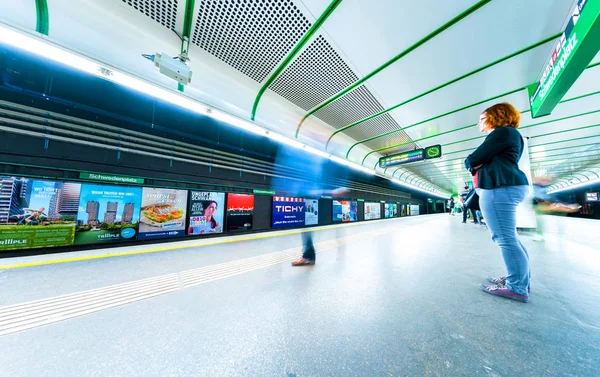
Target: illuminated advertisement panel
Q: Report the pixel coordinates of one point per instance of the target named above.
(240, 212)
(312, 212)
(163, 213)
(288, 212)
(372, 211)
(391, 210)
(345, 211)
(206, 212)
(37, 213)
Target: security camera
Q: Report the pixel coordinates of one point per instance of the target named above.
(174, 67)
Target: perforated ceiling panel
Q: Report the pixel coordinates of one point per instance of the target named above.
(314, 76)
(162, 11)
(252, 36)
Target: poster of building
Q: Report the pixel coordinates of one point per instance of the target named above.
(206, 212)
(108, 213)
(163, 213)
(288, 212)
(345, 211)
(372, 211)
(240, 212)
(312, 212)
(391, 210)
(37, 213)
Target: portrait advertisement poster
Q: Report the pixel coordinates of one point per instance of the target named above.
(312, 212)
(288, 212)
(240, 212)
(163, 213)
(403, 210)
(372, 211)
(207, 210)
(391, 210)
(108, 213)
(345, 211)
(37, 213)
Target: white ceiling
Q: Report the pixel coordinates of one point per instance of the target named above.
(364, 35)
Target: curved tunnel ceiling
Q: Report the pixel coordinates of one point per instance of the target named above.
(358, 79)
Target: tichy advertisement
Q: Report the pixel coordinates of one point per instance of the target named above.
(206, 212)
(391, 210)
(288, 212)
(240, 212)
(37, 213)
(108, 213)
(345, 211)
(312, 212)
(372, 211)
(163, 213)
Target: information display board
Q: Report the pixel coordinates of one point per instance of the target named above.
(372, 211)
(312, 212)
(288, 212)
(345, 211)
(163, 213)
(240, 212)
(37, 213)
(107, 213)
(206, 212)
(391, 210)
(591, 196)
(434, 151)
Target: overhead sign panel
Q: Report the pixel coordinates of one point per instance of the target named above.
(575, 49)
(435, 151)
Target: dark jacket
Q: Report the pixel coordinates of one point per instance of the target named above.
(499, 154)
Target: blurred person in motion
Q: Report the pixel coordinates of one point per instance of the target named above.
(309, 174)
(463, 198)
(501, 187)
(450, 206)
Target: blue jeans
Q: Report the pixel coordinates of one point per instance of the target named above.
(499, 208)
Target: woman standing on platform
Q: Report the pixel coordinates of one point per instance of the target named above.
(501, 187)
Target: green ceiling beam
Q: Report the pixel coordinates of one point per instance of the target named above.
(42, 21)
(507, 57)
(564, 154)
(419, 43)
(283, 65)
(423, 121)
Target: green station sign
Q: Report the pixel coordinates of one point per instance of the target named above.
(434, 151)
(111, 178)
(264, 192)
(576, 48)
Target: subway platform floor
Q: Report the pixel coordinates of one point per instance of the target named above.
(396, 297)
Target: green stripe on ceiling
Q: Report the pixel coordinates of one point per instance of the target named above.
(507, 57)
(288, 59)
(419, 43)
(423, 121)
(452, 112)
(566, 154)
(187, 31)
(42, 22)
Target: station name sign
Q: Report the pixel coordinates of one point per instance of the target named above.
(111, 178)
(575, 49)
(435, 151)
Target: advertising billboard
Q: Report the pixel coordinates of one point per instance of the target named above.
(414, 210)
(372, 211)
(312, 212)
(591, 196)
(163, 213)
(107, 213)
(240, 212)
(391, 210)
(404, 210)
(288, 212)
(37, 213)
(206, 213)
(345, 211)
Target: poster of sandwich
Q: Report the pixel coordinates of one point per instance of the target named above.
(206, 212)
(37, 213)
(163, 213)
(107, 213)
(240, 211)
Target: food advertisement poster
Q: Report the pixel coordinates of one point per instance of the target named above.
(372, 211)
(288, 212)
(108, 213)
(312, 212)
(163, 213)
(240, 212)
(37, 213)
(391, 210)
(345, 211)
(206, 212)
